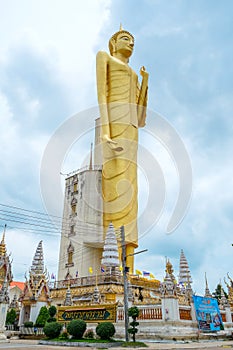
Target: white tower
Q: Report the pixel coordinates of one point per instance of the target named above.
(184, 272)
(82, 231)
(110, 258)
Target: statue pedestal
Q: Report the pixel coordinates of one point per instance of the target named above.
(170, 309)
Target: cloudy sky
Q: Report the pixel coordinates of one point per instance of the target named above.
(47, 75)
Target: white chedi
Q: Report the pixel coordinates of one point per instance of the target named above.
(110, 257)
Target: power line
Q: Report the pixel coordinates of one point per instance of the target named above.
(31, 211)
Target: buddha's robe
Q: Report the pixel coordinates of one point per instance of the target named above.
(119, 175)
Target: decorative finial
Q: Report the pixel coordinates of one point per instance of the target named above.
(2, 244)
(3, 236)
(121, 28)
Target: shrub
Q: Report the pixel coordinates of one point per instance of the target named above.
(11, 316)
(89, 334)
(105, 330)
(52, 330)
(28, 324)
(76, 328)
(134, 313)
(42, 317)
(52, 311)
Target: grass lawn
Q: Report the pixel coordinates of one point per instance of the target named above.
(84, 340)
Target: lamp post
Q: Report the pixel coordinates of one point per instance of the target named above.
(124, 267)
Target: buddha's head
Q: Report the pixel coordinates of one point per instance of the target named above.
(122, 42)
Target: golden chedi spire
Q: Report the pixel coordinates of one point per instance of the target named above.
(3, 244)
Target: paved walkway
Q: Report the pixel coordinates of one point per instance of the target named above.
(211, 345)
(33, 344)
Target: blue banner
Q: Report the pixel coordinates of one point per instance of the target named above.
(207, 314)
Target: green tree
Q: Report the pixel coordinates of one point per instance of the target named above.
(217, 293)
(11, 316)
(133, 312)
(52, 312)
(42, 317)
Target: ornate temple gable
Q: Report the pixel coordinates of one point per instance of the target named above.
(27, 292)
(44, 294)
(43, 291)
(36, 287)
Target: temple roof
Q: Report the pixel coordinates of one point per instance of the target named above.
(20, 285)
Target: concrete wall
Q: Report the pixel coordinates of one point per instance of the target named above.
(82, 224)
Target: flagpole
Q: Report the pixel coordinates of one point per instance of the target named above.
(123, 257)
(126, 305)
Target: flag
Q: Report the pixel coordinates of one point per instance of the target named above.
(53, 276)
(138, 272)
(151, 275)
(102, 269)
(146, 273)
(90, 270)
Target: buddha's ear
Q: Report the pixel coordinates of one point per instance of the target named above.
(112, 46)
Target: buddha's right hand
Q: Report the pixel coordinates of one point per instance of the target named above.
(112, 144)
(107, 139)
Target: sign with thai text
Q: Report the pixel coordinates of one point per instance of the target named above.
(207, 314)
(88, 314)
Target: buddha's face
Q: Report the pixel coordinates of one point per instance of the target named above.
(124, 44)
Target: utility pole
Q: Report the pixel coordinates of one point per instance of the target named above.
(126, 305)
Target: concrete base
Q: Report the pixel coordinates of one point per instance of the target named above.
(3, 338)
(170, 330)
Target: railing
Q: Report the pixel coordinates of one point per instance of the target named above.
(94, 167)
(86, 281)
(223, 315)
(30, 330)
(185, 314)
(145, 313)
(10, 327)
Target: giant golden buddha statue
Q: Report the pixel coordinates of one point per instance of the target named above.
(122, 102)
